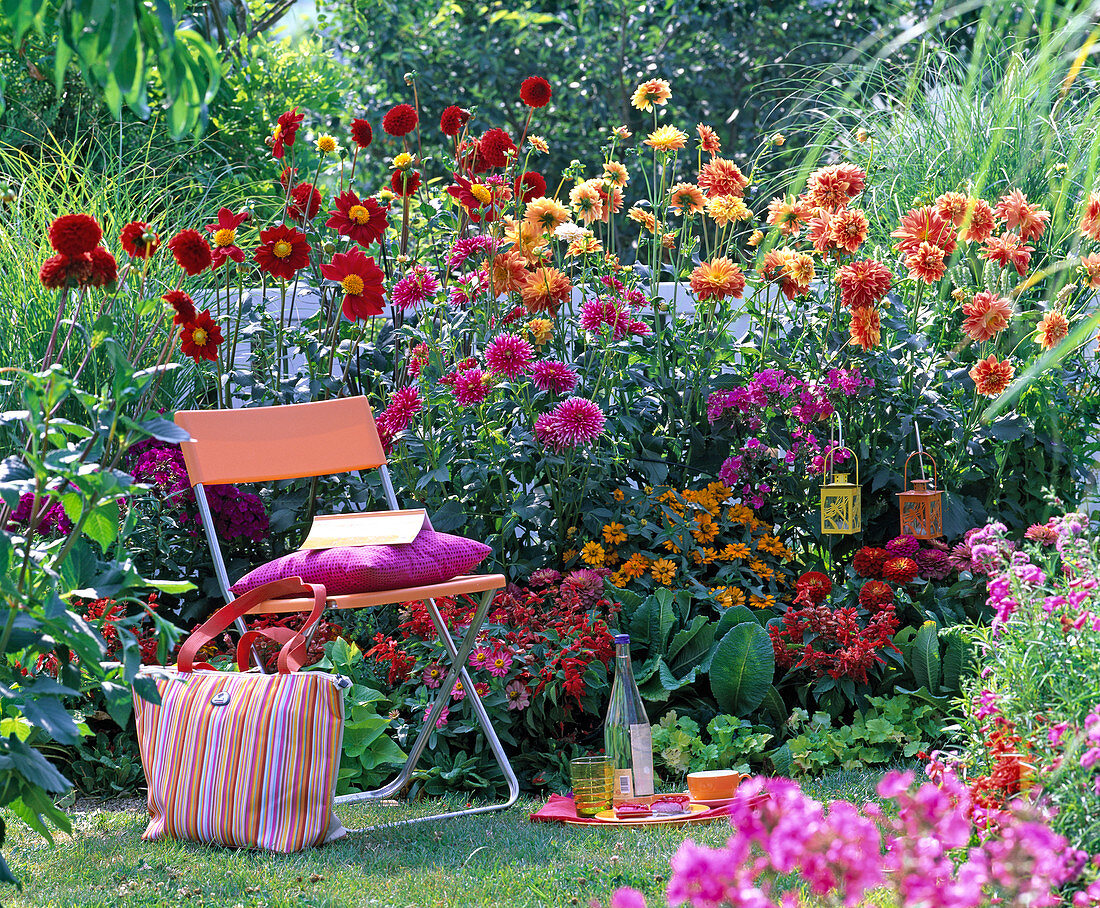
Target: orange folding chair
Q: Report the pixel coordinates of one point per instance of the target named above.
(263, 444)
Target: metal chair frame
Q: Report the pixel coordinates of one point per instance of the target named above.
(224, 470)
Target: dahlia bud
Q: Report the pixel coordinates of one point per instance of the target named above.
(329, 247)
(410, 78)
(778, 139)
(403, 259)
(861, 136)
(8, 195)
(959, 295)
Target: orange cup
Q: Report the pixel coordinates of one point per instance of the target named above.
(713, 784)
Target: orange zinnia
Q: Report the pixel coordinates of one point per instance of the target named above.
(718, 279)
(986, 316)
(990, 376)
(1052, 330)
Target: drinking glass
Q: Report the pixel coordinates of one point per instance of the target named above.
(592, 784)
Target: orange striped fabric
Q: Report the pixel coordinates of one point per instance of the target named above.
(242, 759)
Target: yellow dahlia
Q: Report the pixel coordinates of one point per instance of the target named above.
(666, 138)
(726, 209)
(544, 214)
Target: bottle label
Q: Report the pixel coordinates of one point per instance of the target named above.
(624, 784)
(641, 753)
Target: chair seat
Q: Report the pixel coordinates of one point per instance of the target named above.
(458, 586)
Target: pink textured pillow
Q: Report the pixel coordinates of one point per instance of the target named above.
(430, 558)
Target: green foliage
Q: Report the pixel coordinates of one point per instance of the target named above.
(679, 746)
(936, 661)
(887, 730)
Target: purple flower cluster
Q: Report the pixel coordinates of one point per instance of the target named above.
(52, 520)
(918, 851)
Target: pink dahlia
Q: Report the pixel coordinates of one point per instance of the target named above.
(577, 422)
(553, 376)
(510, 355)
(597, 313)
(416, 288)
(470, 386)
(469, 246)
(404, 405)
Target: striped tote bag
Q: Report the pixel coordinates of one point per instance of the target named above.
(243, 759)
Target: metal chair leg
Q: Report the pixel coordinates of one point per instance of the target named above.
(458, 656)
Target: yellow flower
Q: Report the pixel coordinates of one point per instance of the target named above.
(761, 601)
(861, 136)
(542, 329)
(706, 529)
(653, 92)
(583, 245)
(710, 554)
(326, 144)
(727, 209)
(386, 195)
(761, 569)
(538, 144)
(568, 555)
(545, 215)
(618, 495)
(635, 566)
(756, 238)
(613, 533)
(666, 138)
(619, 578)
(403, 161)
(663, 571)
(736, 550)
(728, 596)
(778, 139)
(621, 133)
(593, 554)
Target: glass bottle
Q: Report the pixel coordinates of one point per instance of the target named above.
(628, 741)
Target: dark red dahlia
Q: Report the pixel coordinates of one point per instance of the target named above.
(75, 234)
(183, 305)
(191, 251)
(900, 571)
(400, 120)
(453, 119)
(405, 182)
(139, 240)
(200, 338)
(65, 271)
(530, 185)
(286, 129)
(361, 133)
(104, 268)
(361, 220)
(361, 280)
(875, 595)
(868, 561)
(283, 251)
(535, 91)
(494, 148)
(813, 587)
(305, 200)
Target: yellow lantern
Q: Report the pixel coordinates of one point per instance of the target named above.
(840, 499)
(921, 504)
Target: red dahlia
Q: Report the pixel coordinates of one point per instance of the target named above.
(65, 271)
(224, 230)
(361, 133)
(453, 119)
(139, 240)
(900, 571)
(361, 220)
(104, 268)
(285, 131)
(868, 561)
(183, 305)
(405, 182)
(494, 148)
(305, 199)
(362, 281)
(75, 234)
(400, 120)
(535, 91)
(813, 586)
(200, 338)
(875, 595)
(283, 251)
(529, 186)
(191, 251)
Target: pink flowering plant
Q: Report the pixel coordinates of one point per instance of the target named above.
(917, 849)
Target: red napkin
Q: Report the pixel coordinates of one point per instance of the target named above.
(561, 809)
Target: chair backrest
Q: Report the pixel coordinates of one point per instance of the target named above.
(256, 444)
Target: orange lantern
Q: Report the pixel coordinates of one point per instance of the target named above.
(840, 499)
(921, 505)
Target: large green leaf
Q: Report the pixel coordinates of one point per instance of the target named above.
(742, 668)
(955, 655)
(690, 645)
(925, 656)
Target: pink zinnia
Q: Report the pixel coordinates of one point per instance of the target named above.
(469, 387)
(499, 663)
(553, 376)
(404, 405)
(479, 658)
(518, 694)
(509, 355)
(415, 289)
(433, 675)
(458, 692)
(443, 716)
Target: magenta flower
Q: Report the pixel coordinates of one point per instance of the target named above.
(553, 376)
(509, 355)
(470, 386)
(573, 423)
(443, 716)
(404, 405)
(481, 688)
(479, 658)
(416, 288)
(458, 692)
(518, 694)
(470, 246)
(465, 289)
(499, 663)
(598, 313)
(627, 898)
(433, 675)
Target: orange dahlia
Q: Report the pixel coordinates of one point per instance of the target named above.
(1052, 330)
(926, 263)
(545, 290)
(788, 216)
(666, 138)
(508, 273)
(708, 140)
(718, 279)
(848, 229)
(862, 284)
(1091, 264)
(978, 222)
(615, 173)
(545, 215)
(924, 225)
(990, 376)
(686, 199)
(586, 201)
(1090, 218)
(1021, 216)
(722, 177)
(1008, 249)
(865, 327)
(650, 94)
(725, 209)
(818, 233)
(833, 187)
(986, 316)
(952, 206)
(643, 217)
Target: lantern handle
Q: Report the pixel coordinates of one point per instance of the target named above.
(935, 474)
(828, 471)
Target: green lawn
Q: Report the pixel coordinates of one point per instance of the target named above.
(495, 859)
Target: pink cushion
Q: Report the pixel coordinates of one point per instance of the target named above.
(430, 558)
